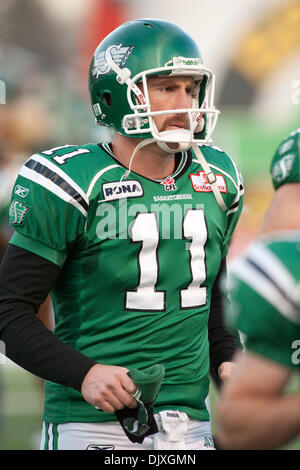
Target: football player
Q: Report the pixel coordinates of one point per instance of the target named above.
(254, 412)
(131, 238)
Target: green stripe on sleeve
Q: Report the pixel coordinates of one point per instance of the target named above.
(38, 248)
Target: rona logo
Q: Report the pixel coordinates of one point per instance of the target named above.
(121, 190)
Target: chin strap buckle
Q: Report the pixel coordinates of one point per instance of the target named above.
(211, 177)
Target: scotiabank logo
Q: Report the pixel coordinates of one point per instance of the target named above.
(201, 185)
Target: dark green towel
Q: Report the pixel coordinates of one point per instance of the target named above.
(139, 422)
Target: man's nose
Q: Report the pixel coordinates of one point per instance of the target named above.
(183, 99)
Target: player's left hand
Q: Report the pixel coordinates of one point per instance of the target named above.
(225, 370)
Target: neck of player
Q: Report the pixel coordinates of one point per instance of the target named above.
(150, 161)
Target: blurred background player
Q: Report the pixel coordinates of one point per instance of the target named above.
(103, 252)
(254, 412)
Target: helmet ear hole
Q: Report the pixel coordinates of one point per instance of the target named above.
(106, 99)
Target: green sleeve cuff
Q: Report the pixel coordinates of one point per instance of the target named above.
(38, 248)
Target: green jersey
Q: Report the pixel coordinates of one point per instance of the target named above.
(285, 166)
(265, 294)
(139, 258)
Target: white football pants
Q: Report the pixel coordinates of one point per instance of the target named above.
(176, 432)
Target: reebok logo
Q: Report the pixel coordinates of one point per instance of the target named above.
(172, 414)
(100, 447)
(120, 190)
(21, 191)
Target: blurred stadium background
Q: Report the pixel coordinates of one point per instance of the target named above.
(45, 49)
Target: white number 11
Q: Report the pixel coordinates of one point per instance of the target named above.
(145, 229)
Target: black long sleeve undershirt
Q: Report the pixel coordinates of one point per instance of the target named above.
(25, 281)
(222, 343)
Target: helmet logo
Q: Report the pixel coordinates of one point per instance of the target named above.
(118, 53)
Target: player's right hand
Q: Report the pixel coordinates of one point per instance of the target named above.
(109, 388)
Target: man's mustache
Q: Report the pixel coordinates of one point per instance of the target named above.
(179, 122)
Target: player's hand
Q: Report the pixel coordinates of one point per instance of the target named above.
(225, 370)
(109, 388)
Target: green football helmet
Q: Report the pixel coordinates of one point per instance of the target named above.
(129, 55)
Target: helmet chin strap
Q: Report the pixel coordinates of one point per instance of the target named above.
(143, 143)
(125, 175)
(163, 145)
(206, 168)
(182, 146)
(210, 176)
(197, 125)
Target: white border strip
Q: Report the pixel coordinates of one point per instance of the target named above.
(48, 184)
(44, 161)
(265, 288)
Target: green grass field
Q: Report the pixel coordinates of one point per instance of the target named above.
(21, 409)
